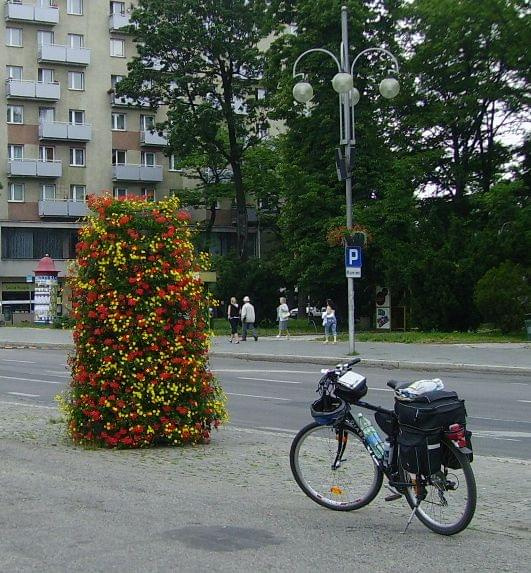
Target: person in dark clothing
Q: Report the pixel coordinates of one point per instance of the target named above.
(233, 316)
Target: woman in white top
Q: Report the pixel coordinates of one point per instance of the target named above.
(282, 317)
(330, 321)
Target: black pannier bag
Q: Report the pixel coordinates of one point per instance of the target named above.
(387, 422)
(450, 461)
(431, 411)
(420, 452)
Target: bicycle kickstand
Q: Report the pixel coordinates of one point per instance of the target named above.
(411, 517)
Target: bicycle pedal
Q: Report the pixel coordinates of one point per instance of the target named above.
(393, 497)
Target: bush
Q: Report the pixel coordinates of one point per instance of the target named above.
(140, 371)
(503, 296)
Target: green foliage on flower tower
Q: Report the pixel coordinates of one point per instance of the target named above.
(140, 371)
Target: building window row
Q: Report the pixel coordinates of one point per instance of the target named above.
(17, 192)
(15, 152)
(147, 192)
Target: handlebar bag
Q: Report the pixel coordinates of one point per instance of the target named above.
(431, 411)
(419, 452)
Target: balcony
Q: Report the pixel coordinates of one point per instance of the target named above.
(34, 168)
(29, 89)
(63, 208)
(130, 172)
(65, 131)
(153, 138)
(56, 54)
(117, 22)
(32, 13)
(126, 101)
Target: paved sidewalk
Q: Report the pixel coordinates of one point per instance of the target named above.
(505, 358)
(232, 506)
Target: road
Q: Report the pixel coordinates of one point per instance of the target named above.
(276, 396)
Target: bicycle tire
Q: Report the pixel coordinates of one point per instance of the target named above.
(422, 512)
(312, 454)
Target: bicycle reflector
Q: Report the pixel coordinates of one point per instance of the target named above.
(327, 410)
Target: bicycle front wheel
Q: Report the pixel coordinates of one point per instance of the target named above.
(448, 500)
(332, 467)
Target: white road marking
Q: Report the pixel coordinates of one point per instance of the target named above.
(269, 380)
(10, 403)
(62, 374)
(283, 430)
(30, 380)
(253, 396)
(524, 401)
(499, 420)
(314, 372)
(19, 361)
(519, 383)
(23, 394)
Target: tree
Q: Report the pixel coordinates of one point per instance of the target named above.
(202, 60)
(471, 63)
(503, 296)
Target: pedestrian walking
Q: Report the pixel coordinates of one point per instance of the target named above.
(233, 316)
(283, 317)
(330, 321)
(248, 317)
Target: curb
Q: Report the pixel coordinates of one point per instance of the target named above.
(322, 360)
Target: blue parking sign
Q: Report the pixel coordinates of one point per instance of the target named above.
(353, 257)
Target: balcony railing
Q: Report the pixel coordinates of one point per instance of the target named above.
(31, 13)
(119, 21)
(62, 208)
(65, 131)
(153, 138)
(126, 101)
(130, 172)
(29, 89)
(57, 54)
(34, 168)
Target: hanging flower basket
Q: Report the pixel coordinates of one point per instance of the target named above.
(358, 236)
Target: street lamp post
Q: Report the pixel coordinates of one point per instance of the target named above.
(343, 84)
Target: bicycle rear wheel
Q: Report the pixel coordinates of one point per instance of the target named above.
(332, 467)
(449, 500)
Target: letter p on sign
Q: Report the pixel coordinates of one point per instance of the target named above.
(353, 257)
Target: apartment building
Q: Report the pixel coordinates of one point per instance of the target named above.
(66, 134)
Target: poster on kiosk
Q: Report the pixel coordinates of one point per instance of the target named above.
(383, 308)
(46, 285)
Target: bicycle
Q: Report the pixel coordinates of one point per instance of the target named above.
(334, 463)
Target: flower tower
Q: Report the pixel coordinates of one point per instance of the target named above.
(140, 371)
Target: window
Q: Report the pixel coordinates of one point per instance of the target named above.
(16, 192)
(76, 81)
(45, 76)
(45, 38)
(174, 163)
(119, 157)
(14, 72)
(115, 80)
(74, 7)
(78, 193)
(15, 152)
(76, 40)
(77, 157)
(148, 194)
(46, 115)
(148, 158)
(48, 192)
(46, 153)
(24, 243)
(14, 37)
(15, 114)
(117, 8)
(118, 122)
(76, 116)
(117, 48)
(119, 192)
(147, 122)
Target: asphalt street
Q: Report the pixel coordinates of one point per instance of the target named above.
(276, 396)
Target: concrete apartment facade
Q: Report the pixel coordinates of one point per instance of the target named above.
(66, 135)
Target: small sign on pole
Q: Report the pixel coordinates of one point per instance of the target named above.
(353, 262)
